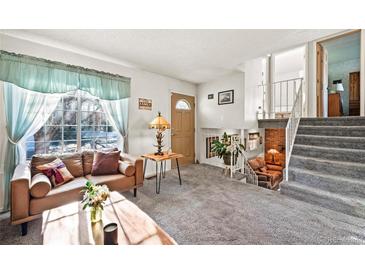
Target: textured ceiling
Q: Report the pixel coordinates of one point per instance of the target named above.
(196, 56)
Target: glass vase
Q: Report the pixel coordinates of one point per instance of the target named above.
(96, 214)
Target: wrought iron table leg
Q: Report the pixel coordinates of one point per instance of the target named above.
(144, 168)
(164, 169)
(178, 169)
(156, 176)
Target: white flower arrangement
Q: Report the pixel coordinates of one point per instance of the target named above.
(94, 195)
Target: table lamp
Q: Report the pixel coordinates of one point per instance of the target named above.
(161, 125)
(273, 151)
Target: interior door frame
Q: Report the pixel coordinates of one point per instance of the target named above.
(174, 91)
(362, 67)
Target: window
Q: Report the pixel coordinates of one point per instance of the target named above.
(78, 123)
(182, 105)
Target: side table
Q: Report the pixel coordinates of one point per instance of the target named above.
(160, 160)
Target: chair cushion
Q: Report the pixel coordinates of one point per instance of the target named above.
(263, 169)
(57, 172)
(73, 162)
(58, 196)
(127, 168)
(254, 164)
(40, 185)
(105, 163)
(261, 162)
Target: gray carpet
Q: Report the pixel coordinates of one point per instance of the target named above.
(212, 209)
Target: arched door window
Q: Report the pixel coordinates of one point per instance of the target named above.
(182, 105)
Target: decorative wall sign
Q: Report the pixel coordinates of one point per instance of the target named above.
(226, 97)
(145, 104)
(210, 96)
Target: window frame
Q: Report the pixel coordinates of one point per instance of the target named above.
(78, 95)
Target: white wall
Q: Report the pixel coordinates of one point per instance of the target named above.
(143, 85)
(255, 74)
(212, 115)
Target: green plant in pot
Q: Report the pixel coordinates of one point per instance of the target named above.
(224, 149)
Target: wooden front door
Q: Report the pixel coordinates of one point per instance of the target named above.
(319, 80)
(354, 96)
(183, 128)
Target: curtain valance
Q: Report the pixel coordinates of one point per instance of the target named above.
(47, 76)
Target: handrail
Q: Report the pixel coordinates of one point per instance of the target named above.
(292, 127)
(278, 98)
(251, 177)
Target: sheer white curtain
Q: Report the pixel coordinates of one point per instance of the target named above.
(117, 114)
(25, 113)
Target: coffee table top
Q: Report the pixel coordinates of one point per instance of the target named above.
(69, 224)
(164, 157)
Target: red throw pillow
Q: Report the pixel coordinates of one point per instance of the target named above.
(105, 163)
(57, 172)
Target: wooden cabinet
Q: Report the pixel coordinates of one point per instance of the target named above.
(334, 105)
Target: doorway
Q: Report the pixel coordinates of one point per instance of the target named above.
(338, 75)
(183, 127)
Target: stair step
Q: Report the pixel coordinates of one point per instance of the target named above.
(340, 168)
(332, 183)
(331, 141)
(348, 205)
(335, 154)
(334, 121)
(351, 131)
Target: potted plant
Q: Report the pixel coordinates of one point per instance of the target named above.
(224, 148)
(95, 197)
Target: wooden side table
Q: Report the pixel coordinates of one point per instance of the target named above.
(161, 160)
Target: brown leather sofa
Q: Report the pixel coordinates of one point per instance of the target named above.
(29, 197)
(269, 176)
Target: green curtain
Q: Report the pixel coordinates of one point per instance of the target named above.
(54, 77)
(25, 114)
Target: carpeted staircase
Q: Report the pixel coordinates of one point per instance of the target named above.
(327, 166)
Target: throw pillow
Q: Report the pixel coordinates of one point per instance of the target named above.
(126, 168)
(105, 163)
(57, 172)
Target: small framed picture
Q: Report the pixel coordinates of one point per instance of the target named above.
(210, 96)
(226, 97)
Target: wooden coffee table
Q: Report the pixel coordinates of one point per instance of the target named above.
(69, 224)
(161, 159)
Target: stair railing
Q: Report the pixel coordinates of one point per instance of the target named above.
(251, 177)
(292, 127)
(277, 98)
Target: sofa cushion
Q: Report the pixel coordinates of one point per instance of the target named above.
(87, 159)
(61, 195)
(73, 162)
(117, 182)
(263, 169)
(127, 168)
(57, 172)
(40, 159)
(40, 185)
(105, 163)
